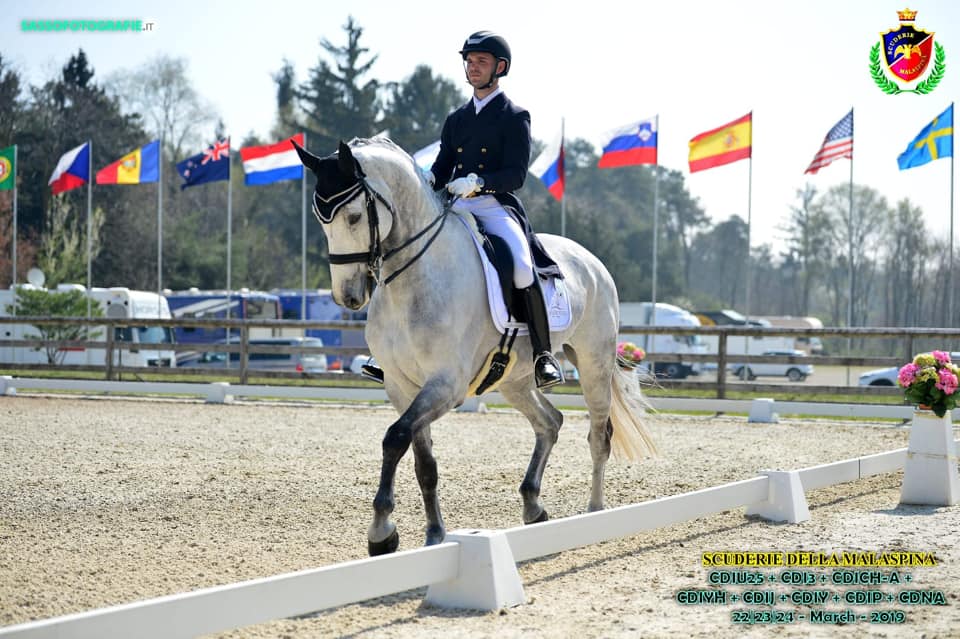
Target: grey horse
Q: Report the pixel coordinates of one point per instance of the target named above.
(430, 329)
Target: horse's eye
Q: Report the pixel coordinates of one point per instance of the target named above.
(353, 218)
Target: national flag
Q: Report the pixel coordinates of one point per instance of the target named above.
(933, 143)
(137, 167)
(72, 170)
(838, 144)
(549, 167)
(8, 168)
(722, 145)
(635, 143)
(212, 165)
(272, 162)
(426, 156)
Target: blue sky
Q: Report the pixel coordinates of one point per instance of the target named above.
(799, 66)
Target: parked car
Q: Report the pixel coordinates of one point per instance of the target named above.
(303, 363)
(794, 372)
(880, 377)
(888, 376)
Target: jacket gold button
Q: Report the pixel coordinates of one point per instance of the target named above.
(459, 166)
(483, 150)
(479, 166)
(459, 149)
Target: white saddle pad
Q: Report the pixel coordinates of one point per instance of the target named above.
(554, 296)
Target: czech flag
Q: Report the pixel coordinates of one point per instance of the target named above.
(635, 143)
(272, 162)
(136, 167)
(72, 170)
(722, 145)
(549, 167)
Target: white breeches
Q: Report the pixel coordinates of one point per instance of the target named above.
(496, 221)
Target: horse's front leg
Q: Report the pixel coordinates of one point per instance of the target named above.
(434, 399)
(425, 466)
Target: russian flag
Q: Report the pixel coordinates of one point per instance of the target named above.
(72, 170)
(549, 167)
(137, 167)
(272, 162)
(635, 143)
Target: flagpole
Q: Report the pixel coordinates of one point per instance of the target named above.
(229, 234)
(563, 178)
(14, 274)
(303, 237)
(850, 249)
(746, 302)
(159, 224)
(89, 226)
(950, 322)
(656, 216)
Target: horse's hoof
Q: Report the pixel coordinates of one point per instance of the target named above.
(540, 518)
(435, 536)
(385, 547)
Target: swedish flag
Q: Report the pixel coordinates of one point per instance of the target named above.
(933, 143)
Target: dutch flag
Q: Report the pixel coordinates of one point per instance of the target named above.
(272, 162)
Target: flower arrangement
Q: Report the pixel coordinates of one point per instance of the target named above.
(629, 354)
(930, 381)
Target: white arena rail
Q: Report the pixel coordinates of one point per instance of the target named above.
(472, 569)
(220, 392)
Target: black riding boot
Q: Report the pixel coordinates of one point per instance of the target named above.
(546, 369)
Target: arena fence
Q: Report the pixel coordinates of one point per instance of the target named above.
(760, 410)
(472, 569)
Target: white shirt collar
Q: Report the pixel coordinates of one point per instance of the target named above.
(479, 104)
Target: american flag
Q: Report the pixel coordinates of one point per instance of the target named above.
(838, 144)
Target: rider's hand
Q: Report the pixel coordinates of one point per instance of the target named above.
(428, 176)
(465, 186)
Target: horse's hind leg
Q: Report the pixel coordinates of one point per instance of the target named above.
(433, 400)
(595, 376)
(546, 421)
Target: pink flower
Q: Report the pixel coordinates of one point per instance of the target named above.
(948, 382)
(907, 374)
(941, 357)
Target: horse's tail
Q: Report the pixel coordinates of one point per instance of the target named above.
(630, 439)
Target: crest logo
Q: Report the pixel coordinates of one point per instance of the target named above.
(906, 56)
(6, 170)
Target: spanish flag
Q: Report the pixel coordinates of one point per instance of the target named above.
(723, 145)
(136, 167)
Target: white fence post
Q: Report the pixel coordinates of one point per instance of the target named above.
(488, 577)
(786, 500)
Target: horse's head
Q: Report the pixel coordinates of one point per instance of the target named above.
(355, 212)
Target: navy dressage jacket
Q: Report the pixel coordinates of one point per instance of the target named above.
(494, 144)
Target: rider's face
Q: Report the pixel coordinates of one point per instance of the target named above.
(479, 66)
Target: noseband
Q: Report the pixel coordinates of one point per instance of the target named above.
(326, 208)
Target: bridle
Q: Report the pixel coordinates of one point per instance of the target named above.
(326, 208)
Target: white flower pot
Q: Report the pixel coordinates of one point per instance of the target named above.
(930, 474)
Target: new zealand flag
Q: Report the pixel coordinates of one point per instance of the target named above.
(210, 166)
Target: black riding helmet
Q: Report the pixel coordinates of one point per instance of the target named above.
(488, 42)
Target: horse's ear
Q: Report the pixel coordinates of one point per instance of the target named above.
(309, 160)
(345, 161)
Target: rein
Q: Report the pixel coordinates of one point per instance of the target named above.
(375, 256)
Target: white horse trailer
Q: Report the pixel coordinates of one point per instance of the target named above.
(151, 345)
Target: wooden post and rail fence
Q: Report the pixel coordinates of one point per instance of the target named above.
(909, 340)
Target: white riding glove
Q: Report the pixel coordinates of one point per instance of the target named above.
(428, 176)
(465, 186)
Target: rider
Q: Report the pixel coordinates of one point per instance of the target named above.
(484, 156)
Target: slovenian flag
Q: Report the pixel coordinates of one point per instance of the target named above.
(635, 143)
(272, 162)
(72, 170)
(136, 167)
(549, 167)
